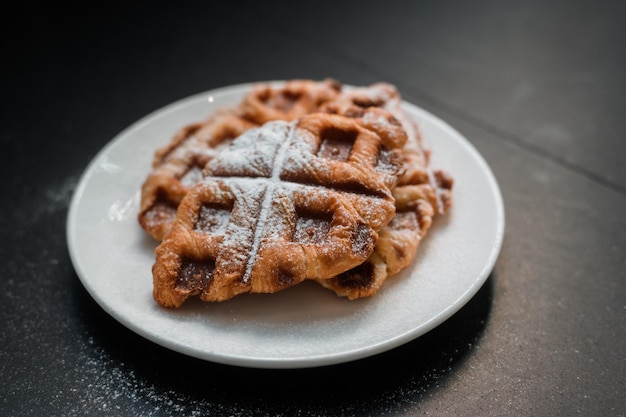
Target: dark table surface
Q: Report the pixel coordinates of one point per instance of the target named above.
(537, 87)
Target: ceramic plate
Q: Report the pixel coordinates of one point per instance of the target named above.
(306, 325)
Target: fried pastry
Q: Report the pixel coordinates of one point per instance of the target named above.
(178, 165)
(420, 195)
(285, 202)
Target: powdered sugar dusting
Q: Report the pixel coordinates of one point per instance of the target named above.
(265, 168)
(269, 195)
(248, 195)
(192, 177)
(252, 154)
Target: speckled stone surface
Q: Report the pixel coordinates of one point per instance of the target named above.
(537, 88)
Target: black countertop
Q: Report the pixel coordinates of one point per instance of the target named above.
(537, 87)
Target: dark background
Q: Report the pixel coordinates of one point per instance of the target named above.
(538, 87)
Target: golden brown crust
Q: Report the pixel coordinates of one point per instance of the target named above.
(421, 193)
(272, 212)
(178, 165)
(395, 170)
(266, 103)
(396, 247)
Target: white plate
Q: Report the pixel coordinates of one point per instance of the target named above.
(303, 326)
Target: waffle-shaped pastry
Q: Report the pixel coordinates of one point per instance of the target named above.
(420, 195)
(283, 203)
(178, 165)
